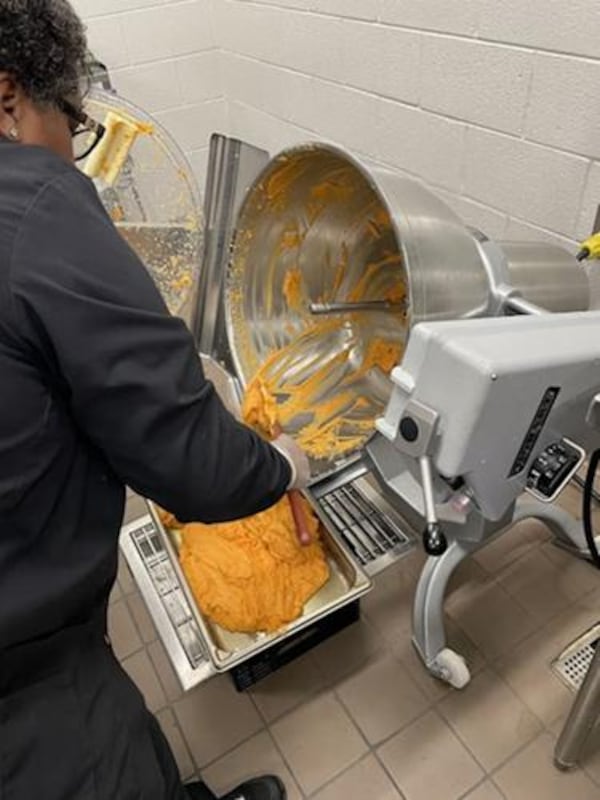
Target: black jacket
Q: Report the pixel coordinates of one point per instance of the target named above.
(99, 388)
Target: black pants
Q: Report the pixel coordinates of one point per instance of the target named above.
(74, 727)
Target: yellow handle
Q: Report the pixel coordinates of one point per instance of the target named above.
(590, 248)
(109, 157)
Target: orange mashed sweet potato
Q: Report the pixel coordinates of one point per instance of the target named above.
(337, 423)
(292, 289)
(252, 575)
(260, 408)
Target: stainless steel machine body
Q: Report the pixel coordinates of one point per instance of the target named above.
(486, 381)
(153, 205)
(353, 233)
(450, 272)
(482, 411)
(582, 719)
(349, 495)
(318, 210)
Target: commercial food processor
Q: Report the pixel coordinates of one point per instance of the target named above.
(309, 259)
(317, 211)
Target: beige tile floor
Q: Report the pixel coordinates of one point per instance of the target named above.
(359, 719)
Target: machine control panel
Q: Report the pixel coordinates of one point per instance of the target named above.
(553, 469)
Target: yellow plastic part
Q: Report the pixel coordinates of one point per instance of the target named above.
(107, 160)
(592, 246)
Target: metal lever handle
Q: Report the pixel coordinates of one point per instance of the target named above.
(321, 309)
(434, 540)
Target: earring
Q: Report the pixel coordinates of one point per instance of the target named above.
(13, 134)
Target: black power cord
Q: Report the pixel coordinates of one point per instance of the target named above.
(588, 496)
(580, 483)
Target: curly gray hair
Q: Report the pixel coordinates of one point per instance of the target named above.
(43, 46)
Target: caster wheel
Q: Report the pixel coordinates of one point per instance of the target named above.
(451, 668)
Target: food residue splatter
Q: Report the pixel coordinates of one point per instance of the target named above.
(292, 289)
(317, 240)
(260, 408)
(333, 423)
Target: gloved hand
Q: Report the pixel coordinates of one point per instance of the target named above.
(296, 458)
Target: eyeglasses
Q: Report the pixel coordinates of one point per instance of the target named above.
(86, 132)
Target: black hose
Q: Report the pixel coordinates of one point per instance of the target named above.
(580, 483)
(588, 494)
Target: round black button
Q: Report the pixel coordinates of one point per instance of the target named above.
(409, 429)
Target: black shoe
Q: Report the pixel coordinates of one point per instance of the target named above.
(266, 788)
(199, 791)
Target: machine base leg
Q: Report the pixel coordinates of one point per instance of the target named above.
(429, 631)
(567, 531)
(581, 720)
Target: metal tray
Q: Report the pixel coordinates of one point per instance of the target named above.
(226, 650)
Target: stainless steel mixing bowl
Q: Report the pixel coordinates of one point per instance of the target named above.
(425, 241)
(351, 234)
(317, 211)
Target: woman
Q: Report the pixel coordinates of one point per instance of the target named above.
(101, 388)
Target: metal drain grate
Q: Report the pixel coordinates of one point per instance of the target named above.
(372, 535)
(572, 665)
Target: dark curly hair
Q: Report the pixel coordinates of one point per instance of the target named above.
(43, 46)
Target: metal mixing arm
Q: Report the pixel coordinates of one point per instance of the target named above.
(323, 309)
(412, 427)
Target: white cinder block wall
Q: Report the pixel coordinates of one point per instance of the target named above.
(493, 102)
(163, 55)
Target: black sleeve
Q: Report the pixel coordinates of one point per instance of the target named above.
(133, 381)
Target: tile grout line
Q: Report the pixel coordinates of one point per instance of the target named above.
(285, 761)
(538, 732)
(555, 615)
(328, 783)
(374, 748)
(495, 582)
(337, 774)
(228, 752)
(185, 743)
(323, 689)
(473, 789)
(389, 774)
(387, 646)
(162, 681)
